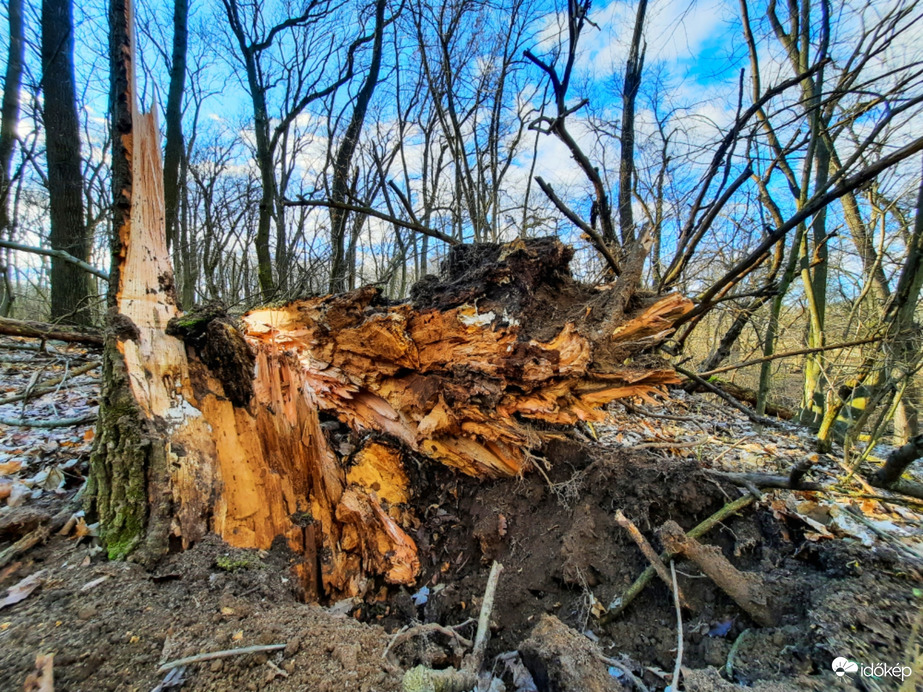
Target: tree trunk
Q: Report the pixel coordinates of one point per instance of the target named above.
(295, 422)
(173, 147)
(9, 120)
(340, 268)
(70, 287)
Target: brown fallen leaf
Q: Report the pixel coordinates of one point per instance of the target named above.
(6, 487)
(9, 467)
(42, 678)
(22, 590)
(7, 571)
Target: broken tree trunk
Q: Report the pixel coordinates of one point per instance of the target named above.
(295, 421)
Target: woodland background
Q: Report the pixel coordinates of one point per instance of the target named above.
(759, 157)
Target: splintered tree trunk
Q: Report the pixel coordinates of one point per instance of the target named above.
(295, 422)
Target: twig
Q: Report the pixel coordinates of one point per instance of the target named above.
(649, 553)
(622, 667)
(212, 655)
(883, 535)
(648, 574)
(49, 385)
(452, 680)
(474, 661)
(417, 630)
(368, 211)
(789, 354)
(760, 420)
(53, 423)
(732, 448)
(672, 445)
(729, 666)
(674, 683)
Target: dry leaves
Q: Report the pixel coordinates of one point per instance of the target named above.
(22, 590)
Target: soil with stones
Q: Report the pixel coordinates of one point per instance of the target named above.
(111, 625)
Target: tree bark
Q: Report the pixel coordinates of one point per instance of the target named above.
(9, 119)
(173, 147)
(632, 83)
(339, 269)
(70, 287)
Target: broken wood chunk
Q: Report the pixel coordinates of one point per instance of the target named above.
(748, 590)
(561, 660)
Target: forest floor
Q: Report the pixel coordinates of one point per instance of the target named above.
(844, 567)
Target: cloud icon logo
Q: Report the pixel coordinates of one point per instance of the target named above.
(841, 666)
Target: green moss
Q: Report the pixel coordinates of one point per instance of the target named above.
(237, 563)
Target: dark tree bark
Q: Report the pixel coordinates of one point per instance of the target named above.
(9, 118)
(629, 97)
(70, 287)
(173, 147)
(339, 271)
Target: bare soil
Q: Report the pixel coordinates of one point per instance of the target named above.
(563, 554)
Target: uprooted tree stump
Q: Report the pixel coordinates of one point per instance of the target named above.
(210, 424)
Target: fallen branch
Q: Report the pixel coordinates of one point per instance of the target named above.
(27, 542)
(898, 461)
(700, 530)
(53, 332)
(53, 423)
(745, 588)
(36, 536)
(744, 395)
(883, 535)
(672, 445)
(212, 655)
(649, 553)
(49, 386)
(908, 488)
(760, 420)
(766, 480)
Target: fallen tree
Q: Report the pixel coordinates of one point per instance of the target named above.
(296, 420)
